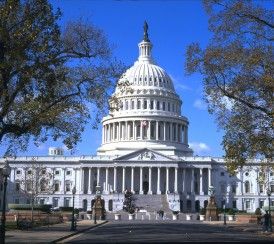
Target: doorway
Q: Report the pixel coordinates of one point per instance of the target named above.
(145, 187)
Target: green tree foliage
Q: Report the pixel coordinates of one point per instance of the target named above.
(237, 69)
(129, 205)
(51, 79)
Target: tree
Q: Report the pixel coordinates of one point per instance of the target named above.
(129, 205)
(237, 69)
(36, 181)
(51, 78)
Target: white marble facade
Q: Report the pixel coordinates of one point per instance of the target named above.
(144, 149)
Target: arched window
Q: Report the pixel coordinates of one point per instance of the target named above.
(164, 106)
(168, 107)
(247, 187)
(126, 104)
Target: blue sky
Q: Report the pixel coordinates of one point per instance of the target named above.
(173, 25)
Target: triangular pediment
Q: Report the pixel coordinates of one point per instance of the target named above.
(144, 155)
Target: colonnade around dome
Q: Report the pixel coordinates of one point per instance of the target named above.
(145, 130)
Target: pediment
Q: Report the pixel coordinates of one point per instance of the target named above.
(144, 155)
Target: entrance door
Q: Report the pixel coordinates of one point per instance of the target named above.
(145, 187)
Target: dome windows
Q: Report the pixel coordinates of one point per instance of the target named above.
(164, 106)
(158, 105)
(138, 104)
(145, 104)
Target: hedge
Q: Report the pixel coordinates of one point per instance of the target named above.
(66, 209)
(43, 208)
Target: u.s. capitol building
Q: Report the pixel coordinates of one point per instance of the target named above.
(144, 149)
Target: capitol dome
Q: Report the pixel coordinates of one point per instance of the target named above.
(145, 111)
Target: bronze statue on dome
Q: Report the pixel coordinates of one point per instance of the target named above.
(145, 32)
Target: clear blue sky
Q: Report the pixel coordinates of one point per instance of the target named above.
(173, 25)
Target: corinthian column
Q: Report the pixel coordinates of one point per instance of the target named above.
(176, 180)
(167, 180)
(158, 181)
(149, 180)
(141, 181)
(132, 179)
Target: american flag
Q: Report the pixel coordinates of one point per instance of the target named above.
(144, 123)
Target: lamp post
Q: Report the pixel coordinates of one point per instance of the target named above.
(6, 173)
(73, 226)
(224, 212)
(269, 211)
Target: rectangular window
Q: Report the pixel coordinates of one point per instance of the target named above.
(272, 188)
(234, 204)
(261, 186)
(168, 107)
(18, 172)
(68, 186)
(164, 106)
(28, 201)
(66, 202)
(261, 203)
(68, 172)
(55, 202)
(16, 201)
(28, 186)
(138, 104)
(132, 104)
(233, 189)
(17, 186)
(57, 172)
(247, 204)
(29, 172)
(151, 105)
(56, 186)
(158, 105)
(145, 104)
(222, 173)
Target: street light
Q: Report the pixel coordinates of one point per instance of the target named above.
(73, 226)
(6, 173)
(224, 212)
(269, 211)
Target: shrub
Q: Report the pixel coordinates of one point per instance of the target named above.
(44, 208)
(258, 211)
(66, 209)
(231, 211)
(202, 211)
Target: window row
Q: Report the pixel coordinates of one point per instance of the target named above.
(42, 185)
(42, 172)
(148, 104)
(150, 81)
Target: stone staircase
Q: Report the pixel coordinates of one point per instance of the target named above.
(152, 203)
